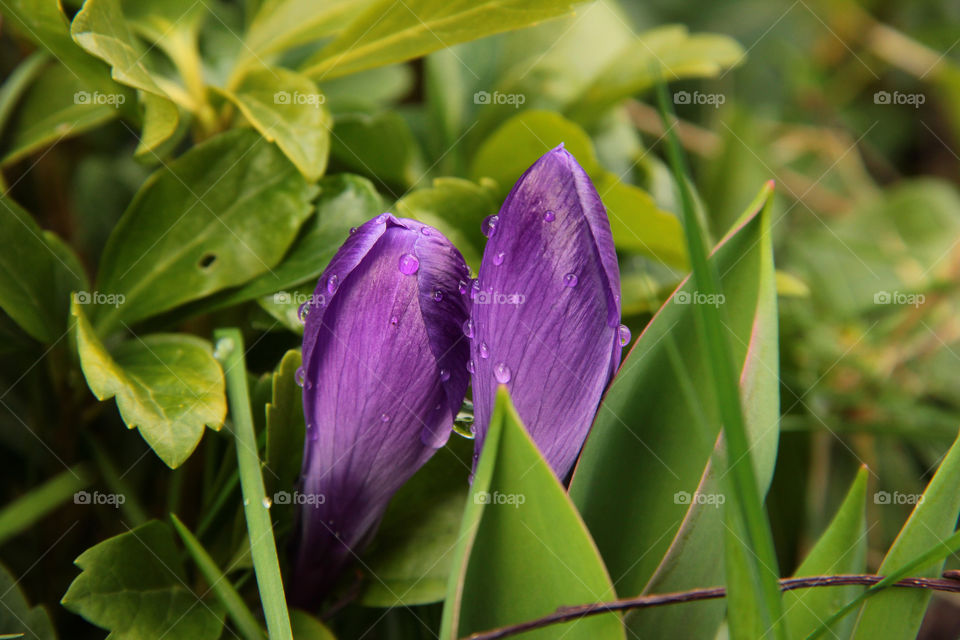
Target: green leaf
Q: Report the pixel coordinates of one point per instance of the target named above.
(287, 108)
(101, 29)
(306, 627)
(283, 24)
(670, 52)
(456, 207)
(25, 511)
(517, 144)
(166, 385)
(37, 274)
(224, 212)
(345, 201)
(17, 617)
(391, 32)
(657, 429)
(18, 81)
(134, 586)
(895, 615)
(409, 561)
(841, 549)
(234, 605)
(285, 426)
(523, 550)
(380, 147)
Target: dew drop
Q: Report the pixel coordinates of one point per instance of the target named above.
(353, 230)
(394, 321)
(624, 333)
(408, 264)
(484, 351)
(464, 287)
(332, 283)
(223, 349)
(498, 259)
(303, 311)
(502, 373)
(384, 417)
(570, 280)
(549, 216)
(299, 376)
(425, 231)
(267, 502)
(489, 226)
(475, 289)
(437, 295)
(444, 375)
(470, 366)
(468, 328)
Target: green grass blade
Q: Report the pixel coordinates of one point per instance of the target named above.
(263, 547)
(132, 511)
(22, 513)
(244, 620)
(741, 472)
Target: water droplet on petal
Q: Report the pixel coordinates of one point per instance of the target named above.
(470, 366)
(464, 287)
(444, 375)
(303, 311)
(408, 264)
(549, 216)
(570, 280)
(299, 376)
(624, 333)
(394, 321)
(484, 351)
(425, 231)
(489, 226)
(502, 373)
(384, 417)
(498, 259)
(332, 283)
(468, 328)
(437, 295)
(475, 289)
(353, 230)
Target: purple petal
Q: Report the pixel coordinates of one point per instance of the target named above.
(376, 404)
(547, 316)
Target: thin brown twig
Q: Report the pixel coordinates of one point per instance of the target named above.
(565, 614)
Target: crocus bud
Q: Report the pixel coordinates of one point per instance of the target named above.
(545, 318)
(384, 375)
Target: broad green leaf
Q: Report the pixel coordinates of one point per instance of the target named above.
(306, 627)
(223, 213)
(842, 548)
(37, 274)
(368, 90)
(670, 52)
(134, 586)
(55, 106)
(283, 24)
(381, 147)
(456, 207)
(391, 32)
(639, 225)
(894, 614)
(17, 616)
(285, 426)
(517, 144)
(101, 29)
(409, 561)
(345, 201)
(287, 108)
(523, 550)
(166, 385)
(656, 431)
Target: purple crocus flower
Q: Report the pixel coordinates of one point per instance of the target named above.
(384, 375)
(546, 308)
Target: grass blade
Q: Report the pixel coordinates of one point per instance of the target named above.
(22, 513)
